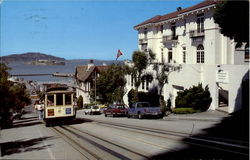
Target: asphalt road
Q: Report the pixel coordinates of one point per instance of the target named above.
(99, 137)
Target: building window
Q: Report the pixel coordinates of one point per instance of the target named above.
(185, 27)
(160, 28)
(132, 80)
(173, 30)
(247, 52)
(169, 55)
(147, 84)
(200, 54)
(162, 58)
(144, 47)
(200, 23)
(143, 83)
(145, 32)
(184, 54)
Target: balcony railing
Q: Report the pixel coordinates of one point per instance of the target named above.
(143, 41)
(196, 33)
(171, 38)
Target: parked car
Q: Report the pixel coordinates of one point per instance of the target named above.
(116, 110)
(92, 110)
(143, 109)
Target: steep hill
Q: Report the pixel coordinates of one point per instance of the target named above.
(30, 56)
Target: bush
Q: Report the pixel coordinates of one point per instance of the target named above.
(80, 102)
(195, 97)
(132, 97)
(163, 106)
(184, 110)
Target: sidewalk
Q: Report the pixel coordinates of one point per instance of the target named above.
(214, 116)
(30, 139)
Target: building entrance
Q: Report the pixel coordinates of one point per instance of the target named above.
(223, 100)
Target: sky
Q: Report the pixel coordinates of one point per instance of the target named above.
(78, 29)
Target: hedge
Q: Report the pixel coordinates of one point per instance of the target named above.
(184, 110)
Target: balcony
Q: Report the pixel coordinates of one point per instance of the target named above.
(167, 39)
(143, 41)
(196, 33)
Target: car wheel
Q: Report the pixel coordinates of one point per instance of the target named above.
(105, 115)
(128, 115)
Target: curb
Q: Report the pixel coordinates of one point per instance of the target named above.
(194, 119)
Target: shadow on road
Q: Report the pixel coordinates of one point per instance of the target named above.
(59, 122)
(25, 124)
(18, 146)
(235, 127)
(24, 121)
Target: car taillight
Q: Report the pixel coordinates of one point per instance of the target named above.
(51, 112)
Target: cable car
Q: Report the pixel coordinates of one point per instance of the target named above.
(59, 104)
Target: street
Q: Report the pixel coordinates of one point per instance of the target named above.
(99, 137)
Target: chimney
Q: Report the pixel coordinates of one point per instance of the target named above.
(90, 64)
(179, 9)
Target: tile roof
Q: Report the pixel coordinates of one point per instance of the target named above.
(175, 14)
(151, 20)
(169, 16)
(199, 5)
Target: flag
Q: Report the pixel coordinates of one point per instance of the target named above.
(119, 53)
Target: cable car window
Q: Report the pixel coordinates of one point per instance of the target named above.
(50, 100)
(67, 99)
(59, 99)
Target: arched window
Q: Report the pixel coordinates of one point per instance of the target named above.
(200, 54)
(247, 52)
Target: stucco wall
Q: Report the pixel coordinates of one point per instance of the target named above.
(206, 74)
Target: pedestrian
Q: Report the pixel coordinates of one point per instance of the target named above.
(40, 107)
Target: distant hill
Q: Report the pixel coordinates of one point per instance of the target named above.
(30, 56)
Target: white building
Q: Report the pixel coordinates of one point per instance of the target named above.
(189, 37)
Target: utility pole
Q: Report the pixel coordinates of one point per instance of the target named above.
(95, 86)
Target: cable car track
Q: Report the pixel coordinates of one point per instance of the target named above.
(112, 150)
(98, 142)
(232, 146)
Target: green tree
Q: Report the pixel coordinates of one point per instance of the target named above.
(110, 84)
(132, 97)
(80, 102)
(162, 70)
(162, 73)
(233, 19)
(140, 61)
(14, 96)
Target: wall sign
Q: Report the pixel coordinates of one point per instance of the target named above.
(222, 76)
